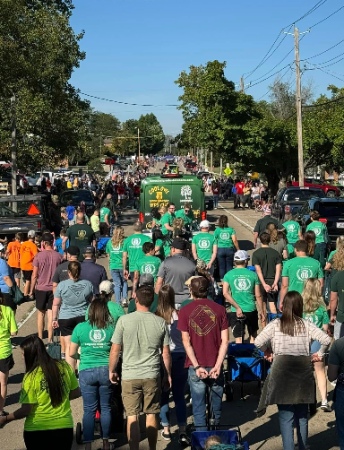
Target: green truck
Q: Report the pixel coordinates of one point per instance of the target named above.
(157, 191)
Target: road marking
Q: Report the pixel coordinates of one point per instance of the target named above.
(245, 224)
(31, 313)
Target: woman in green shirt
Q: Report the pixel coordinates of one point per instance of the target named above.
(94, 339)
(321, 237)
(114, 249)
(227, 245)
(47, 388)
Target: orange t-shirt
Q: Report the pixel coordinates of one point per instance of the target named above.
(28, 250)
(13, 250)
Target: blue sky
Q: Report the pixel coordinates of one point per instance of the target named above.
(136, 49)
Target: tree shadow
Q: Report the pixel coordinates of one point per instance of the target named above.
(245, 244)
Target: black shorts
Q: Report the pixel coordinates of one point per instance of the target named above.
(269, 297)
(6, 364)
(251, 322)
(67, 325)
(8, 301)
(44, 300)
(27, 274)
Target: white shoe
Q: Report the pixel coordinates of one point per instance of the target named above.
(325, 407)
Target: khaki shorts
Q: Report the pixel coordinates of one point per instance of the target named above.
(141, 395)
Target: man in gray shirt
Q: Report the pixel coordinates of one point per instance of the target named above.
(175, 270)
(143, 338)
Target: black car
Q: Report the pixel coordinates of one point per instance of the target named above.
(77, 196)
(290, 199)
(331, 212)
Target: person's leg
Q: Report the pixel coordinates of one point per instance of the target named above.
(179, 379)
(133, 432)
(105, 404)
(221, 259)
(70, 361)
(301, 424)
(320, 373)
(197, 389)
(229, 259)
(3, 389)
(216, 392)
(117, 282)
(124, 287)
(339, 412)
(27, 288)
(286, 421)
(49, 315)
(152, 430)
(89, 391)
(40, 322)
(165, 410)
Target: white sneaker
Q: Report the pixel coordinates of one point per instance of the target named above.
(325, 407)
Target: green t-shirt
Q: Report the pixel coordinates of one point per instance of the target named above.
(187, 218)
(320, 231)
(242, 283)
(95, 344)
(34, 392)
(168, 219)
(103, 212)
(152, 309)
(330, 256)
(82, 236)
(185, 302)
(292, 229)
(161, 244)
(299, 269)
(319, 317)
(337, 285)
(115, 255)
(204, 245)
(115, 310)
(223, 237)
(148, 264)
(133, 246)
(8, 325)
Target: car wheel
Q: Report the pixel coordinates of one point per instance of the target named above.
(330, 194)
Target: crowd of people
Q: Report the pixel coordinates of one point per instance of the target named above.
(184, 301)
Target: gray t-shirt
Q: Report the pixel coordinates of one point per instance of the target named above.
(175, 270)
(141, 335)
(75, 297)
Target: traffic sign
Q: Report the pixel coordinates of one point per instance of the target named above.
(227, 171)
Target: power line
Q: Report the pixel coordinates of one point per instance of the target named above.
(323, 20)
(124, 103)
(281, 77)
(314, 8)
(267, 78)
(325, 51)
(325, 103)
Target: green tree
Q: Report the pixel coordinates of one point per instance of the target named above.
(127, 143)
(152, 138)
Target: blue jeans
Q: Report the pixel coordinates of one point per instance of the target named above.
(198, 390)
(179, 376)
(339, 412)
(225, 260)
(121, 285)
(288, 416)
(216, 201)
(96, 391)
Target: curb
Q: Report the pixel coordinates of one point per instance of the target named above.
(242, 222)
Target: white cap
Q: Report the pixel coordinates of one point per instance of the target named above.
(31, 234)
(2, 247)
(241, 255)
(204, 224)
(106, 286)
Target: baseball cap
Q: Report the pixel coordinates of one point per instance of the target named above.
(179, 244)
(47, 237)
(188, 281)
(204, 224)
(2, 247)
(90, 249)
(31, 234)
(73, 250)
(106, 286)
(146, 279)
(241, 255)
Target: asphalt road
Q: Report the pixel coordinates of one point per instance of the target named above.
(261, 433)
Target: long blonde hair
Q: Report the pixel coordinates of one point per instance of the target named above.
(338, 258)
(118, 236)
(272, 230)
(311, 294)
(166, 303)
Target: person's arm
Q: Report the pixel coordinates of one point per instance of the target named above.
(75, 393)
(235, 242)
(20, 413)
(168, 227)
(200, 371)
(284, 290)
(332, 372)
(34, 277)
(55, 311)
(124, 261)
(321, 282)
(158, 285)
(215, 371)
(113, 361)
(73, 350)
(194, 252)
(8, 281)
(255, 239)
(277, 277)
(261, 278)
(228, 296)
(166, 357)
(64, 241)
(106, 219)
(259, 301)
(263, 340)
(54, 287)
(333, 306)
(135, 281)
(213, 257)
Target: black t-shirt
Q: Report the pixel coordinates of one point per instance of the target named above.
(82, 236)
(263, 223)
(61, 272)
(267, 258)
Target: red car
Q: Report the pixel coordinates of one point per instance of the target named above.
(329, 189)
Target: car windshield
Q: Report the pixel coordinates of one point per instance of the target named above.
(303, 194)
(76, 197)
(329, 209)
(19, 208)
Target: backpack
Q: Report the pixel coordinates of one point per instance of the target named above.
(70, 210)
(234, 190)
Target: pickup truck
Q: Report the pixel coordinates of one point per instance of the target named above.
(329, 189)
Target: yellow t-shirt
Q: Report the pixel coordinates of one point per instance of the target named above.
(8, 325)
(69, 185)
(35, 392)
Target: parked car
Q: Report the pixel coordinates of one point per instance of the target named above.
(329, 189)
(77, 196)
(290, 199)
(331, 212)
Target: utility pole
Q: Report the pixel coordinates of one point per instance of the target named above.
(242, 85)
(138, 141)
(211, 161)
(220, 167)
(14, 145)
(299, 108)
